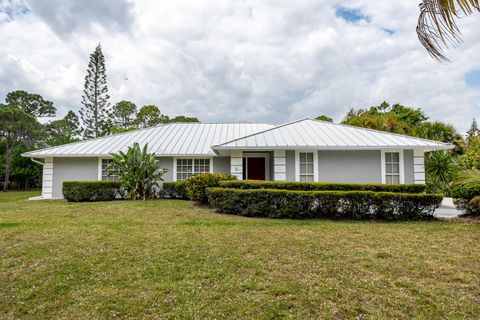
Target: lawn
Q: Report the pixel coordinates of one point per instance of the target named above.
(171, 259)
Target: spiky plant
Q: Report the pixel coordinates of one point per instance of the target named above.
(138, 171)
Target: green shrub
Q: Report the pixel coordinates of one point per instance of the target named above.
(323, 186)
(196, 185)
(467, 199)
(323, 204)
(86, 191)
(174, 190)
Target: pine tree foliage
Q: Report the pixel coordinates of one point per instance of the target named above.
(95, 112)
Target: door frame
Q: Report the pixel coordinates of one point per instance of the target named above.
(264, 155)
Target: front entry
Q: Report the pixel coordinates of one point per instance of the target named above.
(255, 168)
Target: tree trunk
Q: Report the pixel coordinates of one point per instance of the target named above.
(8, 161)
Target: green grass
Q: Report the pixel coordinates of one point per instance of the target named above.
(170, 259)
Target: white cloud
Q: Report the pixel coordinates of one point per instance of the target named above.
(238, 60)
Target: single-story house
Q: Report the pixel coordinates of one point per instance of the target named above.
(303, 150)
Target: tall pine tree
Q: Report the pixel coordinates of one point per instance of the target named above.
(95, 113)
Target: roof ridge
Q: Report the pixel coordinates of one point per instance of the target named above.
(378, 131)
(263, 131)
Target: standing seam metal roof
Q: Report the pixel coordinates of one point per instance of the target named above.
(191, 139)
(309, 133)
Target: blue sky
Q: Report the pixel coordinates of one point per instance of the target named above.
(251, 60)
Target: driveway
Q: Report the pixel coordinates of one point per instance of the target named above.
(447, 210)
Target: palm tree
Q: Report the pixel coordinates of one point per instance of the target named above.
(437, 25)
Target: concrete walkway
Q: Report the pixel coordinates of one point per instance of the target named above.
(447, 210)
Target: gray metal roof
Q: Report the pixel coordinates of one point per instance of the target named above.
(315, 134)
(169, 139)
(200, 139)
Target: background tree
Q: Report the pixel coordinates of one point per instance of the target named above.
(181, 119)
(148, 116)
(123, 114)
(439, 131)
(95, 111)
(31, 103)
(63, 131)
(437, 27)
(16, 127)
(473, 132)
(324, 118)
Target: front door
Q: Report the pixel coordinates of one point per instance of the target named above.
(255, 168)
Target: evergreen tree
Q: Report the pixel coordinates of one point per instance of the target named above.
(473, 131)
(96, 108)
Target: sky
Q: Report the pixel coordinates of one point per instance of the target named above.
(241, 60)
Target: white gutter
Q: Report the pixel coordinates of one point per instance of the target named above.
(36, 161)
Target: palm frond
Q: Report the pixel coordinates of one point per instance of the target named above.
(437, 28)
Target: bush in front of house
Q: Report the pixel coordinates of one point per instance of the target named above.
(174, 190)
(197, 184)
(323, 186)
(87, 191)
(288, 204)
(467, 199)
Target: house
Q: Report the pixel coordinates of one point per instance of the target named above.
(303, 150)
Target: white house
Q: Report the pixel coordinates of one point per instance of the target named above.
(303, 150)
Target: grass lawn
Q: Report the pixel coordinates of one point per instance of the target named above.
(170, 259)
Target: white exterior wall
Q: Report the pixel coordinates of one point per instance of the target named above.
(236, 164)
(279, 165)
(47, 179)
(419, 166)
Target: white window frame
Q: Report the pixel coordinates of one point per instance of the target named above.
(315, 164)
(100, 168)
(401, 165)
(174, 178)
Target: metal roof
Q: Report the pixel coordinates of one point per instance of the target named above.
(322, 135)
(169, 139)
(200, 139)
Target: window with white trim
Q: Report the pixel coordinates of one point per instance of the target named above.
(392, 167)
(306, 167)
(106, 171)
(188, 167)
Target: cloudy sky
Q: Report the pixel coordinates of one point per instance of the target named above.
(239, 60)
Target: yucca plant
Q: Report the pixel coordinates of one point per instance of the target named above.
(437, 25)
(441, 169)
(138, 171)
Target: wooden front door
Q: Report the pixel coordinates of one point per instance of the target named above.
(255, 168)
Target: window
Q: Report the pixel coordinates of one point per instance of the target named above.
(106, 170)
(392, 167)
(306, 167)
(188, 167)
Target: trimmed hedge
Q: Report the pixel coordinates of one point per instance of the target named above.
(323, 186)
(357, 205)
(467, 199)
(197, 184)
(174, 190)
(87, 191)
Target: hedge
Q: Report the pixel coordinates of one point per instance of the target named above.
(197, 184)
(323, 204)
(467, 199)
(323, 186)
(86, 191)
(174, 190)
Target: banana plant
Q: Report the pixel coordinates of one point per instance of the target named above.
(138, 171)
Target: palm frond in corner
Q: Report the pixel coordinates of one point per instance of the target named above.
(437, 28)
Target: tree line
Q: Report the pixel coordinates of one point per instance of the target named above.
(21, 129)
